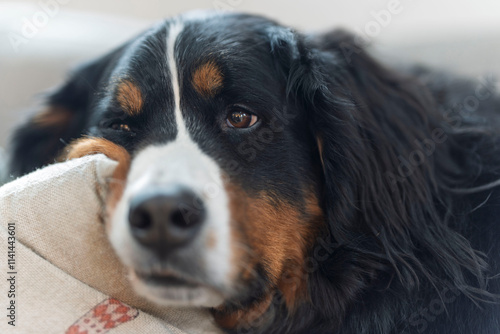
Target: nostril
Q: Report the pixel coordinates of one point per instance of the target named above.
(186, 217)
(177, 219)
(140, 219)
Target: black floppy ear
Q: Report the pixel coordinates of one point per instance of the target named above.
(313, 84)
(366, 118)
(378, 133)
(64, 117)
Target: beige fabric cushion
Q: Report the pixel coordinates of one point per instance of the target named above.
(65, 268)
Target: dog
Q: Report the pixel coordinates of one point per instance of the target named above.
(291, 183)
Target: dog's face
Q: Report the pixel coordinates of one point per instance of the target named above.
(221, 194)
(221, 201)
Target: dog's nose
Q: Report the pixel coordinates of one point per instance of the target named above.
(166, 217)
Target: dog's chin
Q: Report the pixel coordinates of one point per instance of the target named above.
(168, 290)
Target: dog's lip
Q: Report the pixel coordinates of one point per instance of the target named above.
(173, 289)
(166, 279)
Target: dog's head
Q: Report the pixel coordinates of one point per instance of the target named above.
(250, 146)
(222, 195)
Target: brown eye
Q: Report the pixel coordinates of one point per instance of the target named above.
(241, 119)
(120, 127)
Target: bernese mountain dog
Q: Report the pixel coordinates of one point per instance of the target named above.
(289, 182)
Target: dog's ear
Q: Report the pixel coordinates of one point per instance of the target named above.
(378, 133)
(366, 119)
(64, 117)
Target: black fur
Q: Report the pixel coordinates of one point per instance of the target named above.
(407, 248)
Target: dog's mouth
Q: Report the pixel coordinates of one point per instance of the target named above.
(170, 289)
(166, 280)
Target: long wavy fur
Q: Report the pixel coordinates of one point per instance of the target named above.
(391, 234)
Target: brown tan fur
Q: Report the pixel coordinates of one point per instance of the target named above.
(211, 240)
(129, 97)
(89, 146)
(279, 236)
(243, 318)
(53, 116)
(207, 79)
(319, 141)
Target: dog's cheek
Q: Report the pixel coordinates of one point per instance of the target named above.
(277, 236)
(282, 234)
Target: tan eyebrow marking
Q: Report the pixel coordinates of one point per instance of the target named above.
(53, 116)
(208, 79)
(129, 97)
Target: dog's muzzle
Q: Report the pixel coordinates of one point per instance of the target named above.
(171, 227)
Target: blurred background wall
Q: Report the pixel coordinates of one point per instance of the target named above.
(41, 39)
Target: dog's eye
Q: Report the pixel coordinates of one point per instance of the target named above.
(241, 118)
(120, 127)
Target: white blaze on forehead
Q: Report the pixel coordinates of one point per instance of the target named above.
(181, 162)
(174, 31)
(175, 28)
